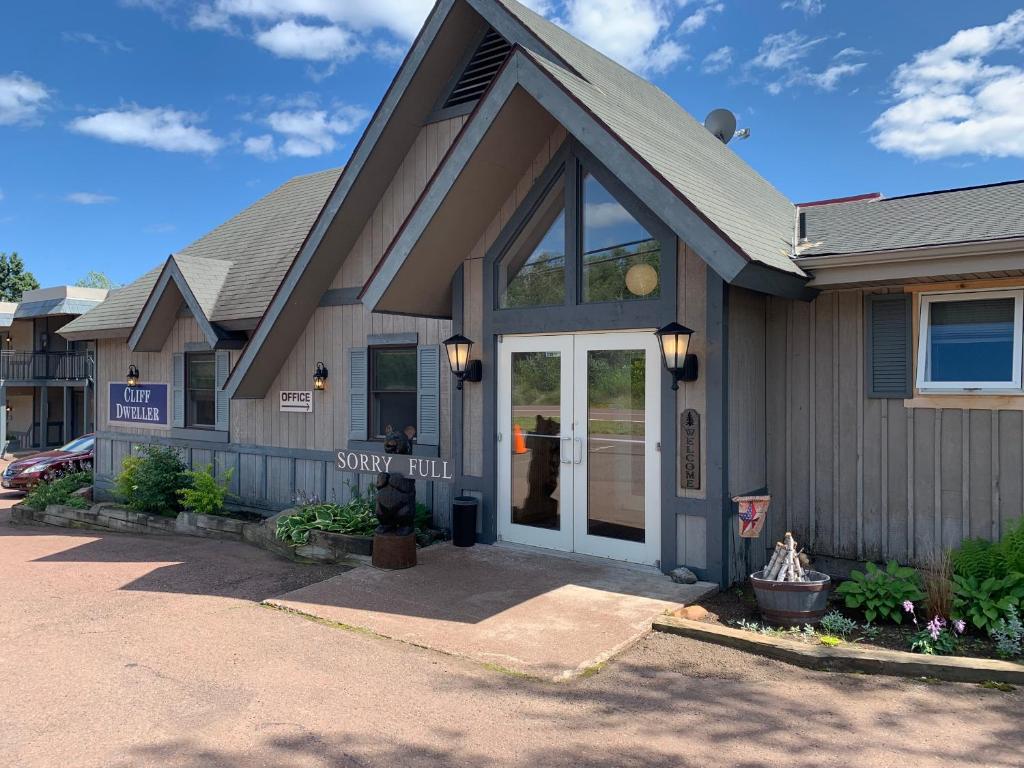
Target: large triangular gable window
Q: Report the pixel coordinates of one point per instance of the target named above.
(532, 274)
(575, 242)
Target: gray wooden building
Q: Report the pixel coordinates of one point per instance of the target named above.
(859, 360)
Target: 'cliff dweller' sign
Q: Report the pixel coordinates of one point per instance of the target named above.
(416, 467)
(141, 404)
(689, 449)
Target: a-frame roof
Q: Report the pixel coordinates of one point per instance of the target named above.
(752, 221)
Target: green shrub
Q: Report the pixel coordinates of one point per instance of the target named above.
(1009, 552)
(354, 519)
(205, 494)
(150, 481)
(985, 602)
(976, 558)
(1008, 635)
(60, 491)
(835, 624)
(882, 593)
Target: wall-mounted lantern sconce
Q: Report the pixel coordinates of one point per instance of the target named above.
(44, 340)
(133, 376)
(9, 409)
(675, 344)
(8, 341)
(463, 368)
(320, 377)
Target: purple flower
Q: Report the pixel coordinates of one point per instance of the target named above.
(960, 626)
(935, 627)
(908, 606)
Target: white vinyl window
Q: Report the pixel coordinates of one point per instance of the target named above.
(970, 341)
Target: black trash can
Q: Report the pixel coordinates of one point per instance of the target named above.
(464, 521)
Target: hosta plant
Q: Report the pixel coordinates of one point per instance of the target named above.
(985, 602)
(880, 593)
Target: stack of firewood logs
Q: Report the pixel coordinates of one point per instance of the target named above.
(787, 563)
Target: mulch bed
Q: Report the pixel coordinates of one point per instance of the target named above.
(738, 603)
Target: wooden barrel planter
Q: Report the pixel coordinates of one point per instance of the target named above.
(792, 603)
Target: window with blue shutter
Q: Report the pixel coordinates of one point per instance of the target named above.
(178, 390)
(223, 403)
(357, 393)
(888, 336)
(428, 395)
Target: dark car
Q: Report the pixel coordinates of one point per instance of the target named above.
(76, 456)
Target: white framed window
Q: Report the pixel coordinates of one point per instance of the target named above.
(970, 341)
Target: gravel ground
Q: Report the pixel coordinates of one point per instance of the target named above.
(122, 651)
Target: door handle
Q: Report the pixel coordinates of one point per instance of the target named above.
(561, 450)
(578, 457)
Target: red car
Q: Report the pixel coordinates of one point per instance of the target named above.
(76, 456)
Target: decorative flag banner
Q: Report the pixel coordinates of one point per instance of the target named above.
(752, 512)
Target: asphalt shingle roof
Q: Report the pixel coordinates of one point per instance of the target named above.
(719, 183)
(235, 269)
(994, 212)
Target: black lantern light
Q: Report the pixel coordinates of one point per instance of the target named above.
(675, 344)
(320, 377)
(133, 376)
(463, 368)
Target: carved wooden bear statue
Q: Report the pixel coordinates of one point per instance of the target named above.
(396, 504)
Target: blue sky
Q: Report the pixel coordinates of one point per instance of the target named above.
(130, 127)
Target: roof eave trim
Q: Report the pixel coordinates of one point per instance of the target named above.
(673, 208)
(217, 338)
(910, 263)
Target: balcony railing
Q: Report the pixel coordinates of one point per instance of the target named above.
(59, 366)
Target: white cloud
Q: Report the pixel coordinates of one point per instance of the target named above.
(291, 40)
(160, 128)
(90, 39)
(809, 7)
(313, 132)
(849, 53)
(784, 50)
(21, 99)
(829, 79)
(89, 198)
(401, 17)
(629, 31)
(717, 61)
(260, 146)
(699, 18)
(950, 102)
(604, 215)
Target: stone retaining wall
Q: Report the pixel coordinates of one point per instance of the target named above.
(323, 547)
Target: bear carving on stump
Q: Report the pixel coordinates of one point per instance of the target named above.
(396, 495)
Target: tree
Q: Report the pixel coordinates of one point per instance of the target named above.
(95, 279)
(14, 280)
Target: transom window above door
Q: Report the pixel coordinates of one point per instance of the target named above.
(579, 238)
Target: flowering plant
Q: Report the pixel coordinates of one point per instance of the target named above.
(939, 636)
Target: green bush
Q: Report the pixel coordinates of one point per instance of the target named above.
(882, 593)
(60, 491)
(981, 559)
(351, 519)
(205, 494)
(150, 481)
(985, 602)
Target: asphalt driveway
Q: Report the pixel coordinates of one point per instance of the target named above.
(128, 651)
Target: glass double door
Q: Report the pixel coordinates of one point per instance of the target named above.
(578, 427)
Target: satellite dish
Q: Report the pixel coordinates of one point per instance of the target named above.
(722, 124)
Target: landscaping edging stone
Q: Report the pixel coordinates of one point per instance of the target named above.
(848, 658)
(323, 548)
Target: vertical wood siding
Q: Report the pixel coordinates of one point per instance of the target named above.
(864, 478)
(258, 429)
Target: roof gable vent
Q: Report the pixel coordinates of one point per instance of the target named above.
(480, 71)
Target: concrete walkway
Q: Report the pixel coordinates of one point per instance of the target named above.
(119, 651)
(534, 613)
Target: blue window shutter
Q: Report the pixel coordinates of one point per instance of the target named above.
(888, 338)
(428, 395)
(178, 390)
(358, 393)
(223, 401)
